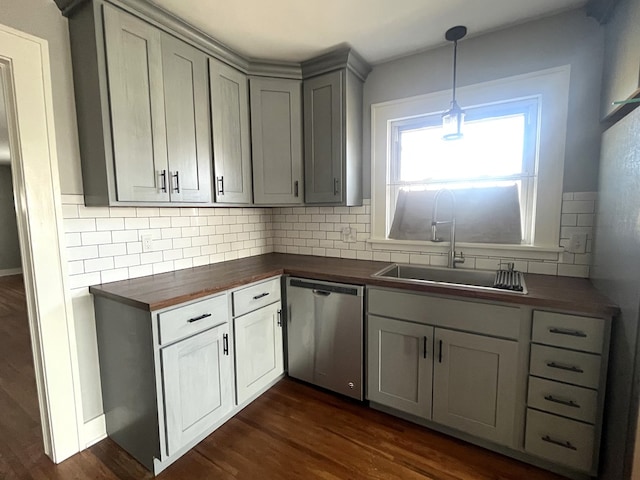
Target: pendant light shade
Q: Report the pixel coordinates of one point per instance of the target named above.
(453, 119)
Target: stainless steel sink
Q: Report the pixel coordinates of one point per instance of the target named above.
(474, 279)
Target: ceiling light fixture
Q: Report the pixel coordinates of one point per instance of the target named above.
(453, 119)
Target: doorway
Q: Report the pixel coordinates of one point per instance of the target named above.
(27, 98)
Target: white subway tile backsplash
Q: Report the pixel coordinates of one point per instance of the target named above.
(109, 224)
(79, 225)
(136, 223)
(578, 206)
(82, 253)
(98, 264)
(112, 249)
(115, 275)
(95, 238)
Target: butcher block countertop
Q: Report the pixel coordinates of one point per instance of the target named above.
(168, 289)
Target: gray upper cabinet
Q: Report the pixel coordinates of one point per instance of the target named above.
(323, 126)
(141, 99)
(276, 139)
(187, 121)
(134, 67)
(230, 126)
(332, 97)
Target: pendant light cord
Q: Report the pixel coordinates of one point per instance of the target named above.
(455, 62)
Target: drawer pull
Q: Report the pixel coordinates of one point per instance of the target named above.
(559, 443)
(195, 319)
(225, 344)
(569, 368)
(568, 403)
(258, 297)
(565, 331)
(279, 318)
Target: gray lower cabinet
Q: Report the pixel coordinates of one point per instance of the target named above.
(197, 376)
(400, 365)
(258, 338)
(474, 384)
(141, 99)
(230, 130)
(276, 140)
(259, 350)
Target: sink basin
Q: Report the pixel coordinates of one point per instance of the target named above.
(474, 279)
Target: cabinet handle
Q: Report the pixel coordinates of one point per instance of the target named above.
(548, 439)
(279, 318)
(569, 368)
(564, 331)
(336, 186)
(225, 344)
(258, 297)
(424, 344)
(195, 319)
(220, 185)
(177, 177)
(440, 351)
(164, 181)
(295, 188)
(568, 403)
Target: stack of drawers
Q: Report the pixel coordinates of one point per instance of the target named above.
(566, 379)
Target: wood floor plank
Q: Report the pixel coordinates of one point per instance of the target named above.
(292, 432)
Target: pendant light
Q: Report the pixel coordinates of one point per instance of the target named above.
(453, 119)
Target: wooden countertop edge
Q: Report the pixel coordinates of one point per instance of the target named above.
(533, 299)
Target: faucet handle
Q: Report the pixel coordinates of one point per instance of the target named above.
(510, 266)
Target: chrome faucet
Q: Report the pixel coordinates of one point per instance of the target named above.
(453, 259)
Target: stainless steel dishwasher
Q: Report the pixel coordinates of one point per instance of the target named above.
(324, 334)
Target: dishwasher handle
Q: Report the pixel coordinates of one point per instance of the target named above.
(320, 293)
(327, 288)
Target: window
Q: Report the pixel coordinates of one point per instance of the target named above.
(515, 132)
(491, 171)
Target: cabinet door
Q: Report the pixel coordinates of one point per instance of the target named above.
(400, 365)
(259, 350)
(198, 385)
(187, 120)
(474, 380)
(134, 70)
(323, 138)
(230, 126)
(276, 140)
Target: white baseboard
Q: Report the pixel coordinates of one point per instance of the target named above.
(94, 431)
(10, 271)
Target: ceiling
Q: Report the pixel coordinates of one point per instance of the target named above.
(296, 30)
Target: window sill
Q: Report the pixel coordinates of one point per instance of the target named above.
(530, 252)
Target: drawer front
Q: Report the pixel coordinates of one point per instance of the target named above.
(484, 318)
(189, 319)
(257, 296)
(559, 440)
(565, 366)
(562, 399)
(568, 331)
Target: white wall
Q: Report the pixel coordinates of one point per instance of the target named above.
(569, 38)
(43, 19)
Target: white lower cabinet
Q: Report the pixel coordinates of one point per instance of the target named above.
(197, 375)
(474, 384)
(400, 365)
(259, 350)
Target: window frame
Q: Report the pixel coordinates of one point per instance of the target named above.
(529, 107)
(551, 86)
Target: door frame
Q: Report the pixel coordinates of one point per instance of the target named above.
(26, 74)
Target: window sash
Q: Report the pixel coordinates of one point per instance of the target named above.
(529, 107)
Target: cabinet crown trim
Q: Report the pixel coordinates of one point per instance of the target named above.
(341, 58)
(345, 57)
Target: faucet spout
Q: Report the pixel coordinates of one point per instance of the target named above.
(453, 259)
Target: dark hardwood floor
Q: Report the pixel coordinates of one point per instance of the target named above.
(291, 432)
